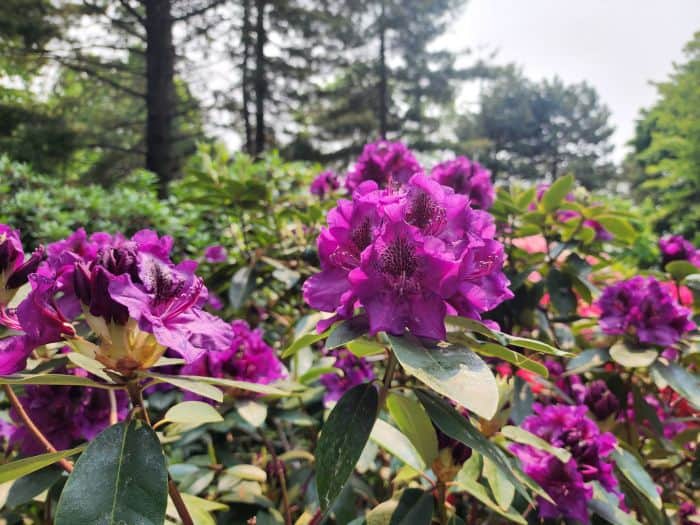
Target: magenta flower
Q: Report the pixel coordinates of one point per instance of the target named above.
(467, 177)
(215, 254)
(66, 415)
(324, 184)
(14, 267)
(408, 256)
(600, 400)
(386, 163)
(248, 358)
(353, 371)
(567, 427)
(641, 308)
(676, 248)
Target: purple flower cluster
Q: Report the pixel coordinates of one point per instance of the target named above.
(130, 294)
(324, 184)
(386, 163)
(15, 268)
(676, 248)
(643, 309)
(467, 177)
(353, 371)
(567, 427)
(248, 358)
(409, 256)
(66, 415)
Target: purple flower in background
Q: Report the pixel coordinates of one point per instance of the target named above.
(567, 427)
(676, 248)
(248, 358)
(15, 268)
(409, 256)
(600, 400)
(688, 513)
(324, 184)
(386, 163)
(215, 254)
(643, 309)
(354, 371)
(467, 177)
(66, 415)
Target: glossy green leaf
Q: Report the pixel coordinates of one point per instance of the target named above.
(606, 506)
(587, 360)
(193, 384)
(258, 388)
(26, 488)
(252, 411)
(413, 421)
(22, 467)
(679, 270)
(392, 440)
(458, 427)
(557, 192)
(346, 331)
(192, 414)
(537, 346)
(631, 357)
(120, 478)
(241, 286)
(473, 487)
(364, 347)
(455, 372)
(619, 227)
(636, 475)
(520, 435)
(680, 380)
(342, 440)
(304, 341)
(559, 287)
(51, 379)
(511, 356)
(503, 490)
(91, 365)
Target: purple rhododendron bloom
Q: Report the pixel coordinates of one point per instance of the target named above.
(567, 427)
(386, 163)
(643, 309)
(467, 177)
(676, 248)
(14, 267)
(600, 400)
(354, 371)
(409, 256)
(324, 184)
(66, 415)
(248, 358)
(215, 254)
(688, 513)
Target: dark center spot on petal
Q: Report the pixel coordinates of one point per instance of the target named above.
(362, 235)
(399, 259)
(424, 213)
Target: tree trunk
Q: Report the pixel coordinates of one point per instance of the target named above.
(160, 91)
(245, 80)
(260, 80)
(382, 74)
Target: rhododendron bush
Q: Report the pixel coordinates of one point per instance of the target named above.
(399, 344)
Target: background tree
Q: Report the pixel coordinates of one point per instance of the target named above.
(540, 130)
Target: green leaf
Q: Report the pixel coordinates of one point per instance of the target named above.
(557, 192)
(192, 414)
(458, 324)
(412, 420)
(680, 380)
(304, 341)
(121, 478)
(523, 398)
(342, 439)
(587, 360)
(346, 331)
(606, 506)
(455, 372)
(559, 287)
(520, 435)
(458, 427)
(201, 509)
(191, 384)
(364, 347)
(503, 490)
(477, 490)
(619, 227)
(91, 365)
(242, 285)
(26, 488)
(630, 357)
(253, 412)
(258, 388)
(415, 508)
(392, 440)
(537, 346)
(679, 270)
(511, 356)
(631, 469)
(248, 473)
(51, 379)
(24, 466)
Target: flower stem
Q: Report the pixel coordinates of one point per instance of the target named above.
(15, 402)
(139, 410)
(279, 472)
(388, 377)
(442, 510)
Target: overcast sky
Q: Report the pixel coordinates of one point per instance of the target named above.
(618, 46)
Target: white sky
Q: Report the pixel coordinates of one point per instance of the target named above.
(618, 46)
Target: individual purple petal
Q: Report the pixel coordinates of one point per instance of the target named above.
(215, 254)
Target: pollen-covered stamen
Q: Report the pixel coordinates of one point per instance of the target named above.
(399, 265)
(425, 213)
(163, 283)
